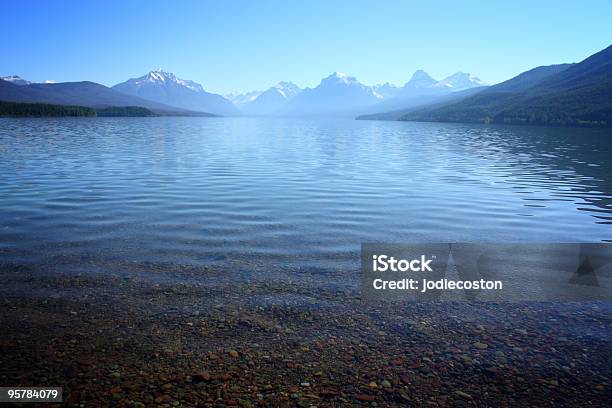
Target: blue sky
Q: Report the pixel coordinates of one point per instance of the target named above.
(245, 45)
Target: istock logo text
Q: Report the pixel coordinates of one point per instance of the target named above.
(383, 263)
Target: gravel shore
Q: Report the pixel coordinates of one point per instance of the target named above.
(132, 341)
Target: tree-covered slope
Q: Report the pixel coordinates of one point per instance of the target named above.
(559, 95)
(15, 109)
(84, 93)
(132, 111)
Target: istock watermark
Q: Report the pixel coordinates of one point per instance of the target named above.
(487, 272)
(383, 263)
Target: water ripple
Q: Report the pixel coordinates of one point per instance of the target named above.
(84, 193)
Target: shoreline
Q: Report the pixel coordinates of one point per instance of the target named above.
(130, 341)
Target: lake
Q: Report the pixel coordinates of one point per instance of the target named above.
(286, 195)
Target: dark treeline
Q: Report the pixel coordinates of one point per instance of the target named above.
(125, 111)
(562, 113)
(590, 107)
(14, 109)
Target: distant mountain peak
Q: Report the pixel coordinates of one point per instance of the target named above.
(287, 89)
(340, 78)
(338, 94)
(420, 79)
(241, 99)
(159, 76)
(385, 91)
(16, 79)
(419, 73)
(459, 81)
(338, 74)
(165, 87)
(269, 101)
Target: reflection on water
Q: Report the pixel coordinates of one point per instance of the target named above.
(257, 194)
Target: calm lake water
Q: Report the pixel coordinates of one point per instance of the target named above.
(100, 194)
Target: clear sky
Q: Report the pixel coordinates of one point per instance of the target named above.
(245, 45)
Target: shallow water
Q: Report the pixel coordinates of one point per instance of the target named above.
(96, 194)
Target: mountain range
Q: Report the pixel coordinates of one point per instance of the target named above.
(271, 100)
(241, 99)
(565, 94)
(338, 94)
(163, 92)
(422, 89)
(87, 94)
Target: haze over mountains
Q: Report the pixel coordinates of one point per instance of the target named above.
(422, 89)
(241, 99)
(339, 94)
(271, 100)
(565, 94)
(386, 90)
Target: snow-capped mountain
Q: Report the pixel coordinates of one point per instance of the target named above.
(286, 89)
(273, 99)
(420, 80)
(386, 90)
(16, 79)
(160, 76)
(338, 94)
(423, 89)
(459, 81)
(241, 99)
(165, 87)
(422, 83)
